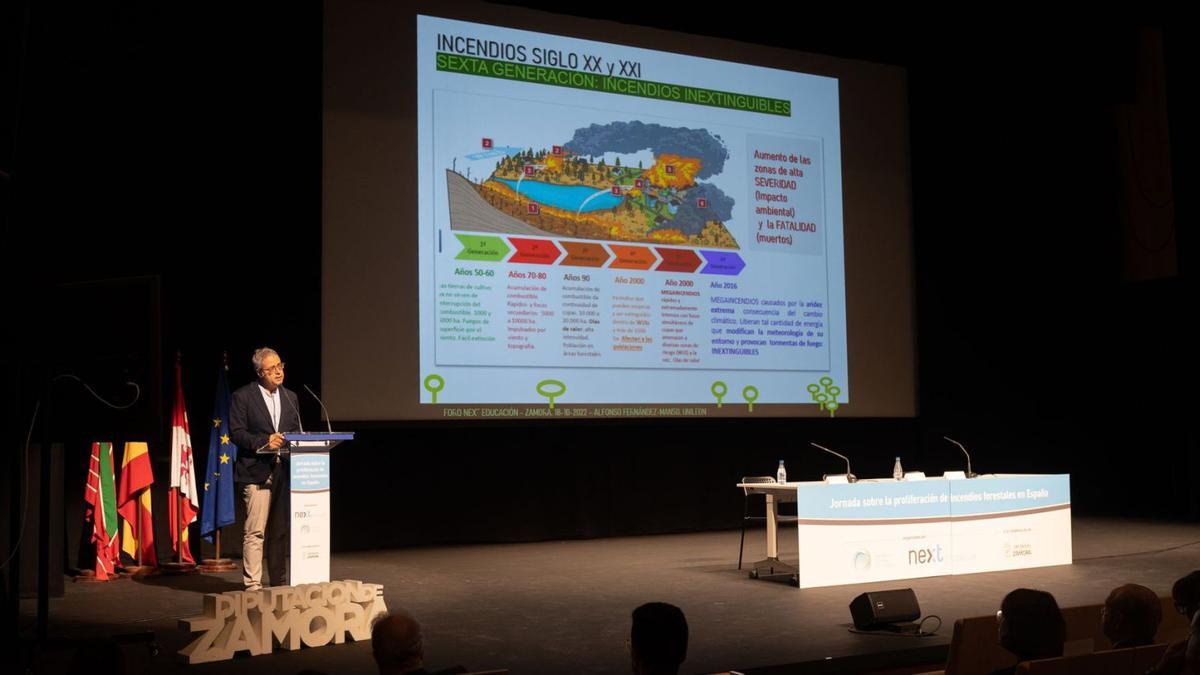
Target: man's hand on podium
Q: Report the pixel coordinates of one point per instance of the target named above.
(276, 441)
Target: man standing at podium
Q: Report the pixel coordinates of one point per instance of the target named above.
(259, 414)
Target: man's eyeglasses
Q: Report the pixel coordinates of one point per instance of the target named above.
(277, 368)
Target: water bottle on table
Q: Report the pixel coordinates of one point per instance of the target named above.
(898, 471)
(781, 474)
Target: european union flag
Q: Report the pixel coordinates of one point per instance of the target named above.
(217, 508)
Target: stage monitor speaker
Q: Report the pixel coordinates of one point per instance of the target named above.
(878, 608)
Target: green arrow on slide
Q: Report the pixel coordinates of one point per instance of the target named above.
(478, 247)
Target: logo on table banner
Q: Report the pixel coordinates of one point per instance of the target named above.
(1017, 550)
(862, 561)
(925, 556)
(282, 618)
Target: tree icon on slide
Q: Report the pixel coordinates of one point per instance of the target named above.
(825, 394)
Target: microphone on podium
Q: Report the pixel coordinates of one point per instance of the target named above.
(294, 409)
(328, 422)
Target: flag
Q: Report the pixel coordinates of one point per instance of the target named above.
(101, 497)
(222, 453)
(133, 503)
(183, 473)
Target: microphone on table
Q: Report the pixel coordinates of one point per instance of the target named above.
(851, 478)
(970, 473)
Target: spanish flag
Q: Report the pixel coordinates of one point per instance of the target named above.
(133, 502)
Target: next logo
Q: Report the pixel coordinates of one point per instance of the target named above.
(924, 556)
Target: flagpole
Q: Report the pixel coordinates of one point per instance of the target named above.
(178, 566)
(182, 527)
(225, 367)
(217, 564)
(139, 568)
(179, 493)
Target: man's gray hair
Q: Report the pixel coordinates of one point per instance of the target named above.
(259, 355)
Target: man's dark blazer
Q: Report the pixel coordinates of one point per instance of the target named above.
(250, 427)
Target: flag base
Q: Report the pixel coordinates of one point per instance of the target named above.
(89, 577)
(217, 565)
(140, 570)
(178, 568)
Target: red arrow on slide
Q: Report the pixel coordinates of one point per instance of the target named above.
(537, 251)
(677, 260)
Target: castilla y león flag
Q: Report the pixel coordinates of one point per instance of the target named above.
(182, 496)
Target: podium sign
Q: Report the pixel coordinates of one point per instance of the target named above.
(310, 518)
(309, 471)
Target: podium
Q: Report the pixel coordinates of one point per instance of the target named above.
(308, 473)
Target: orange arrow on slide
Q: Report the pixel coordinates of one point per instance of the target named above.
(580, 254)
(632, 257)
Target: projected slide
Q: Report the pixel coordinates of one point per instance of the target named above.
(607, 230)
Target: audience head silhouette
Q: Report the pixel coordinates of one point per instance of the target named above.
(1186, 594)
(1131, 616)
(1031, 625)
(658, 639)
(397, 644)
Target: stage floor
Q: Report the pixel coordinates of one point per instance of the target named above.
(564, 606)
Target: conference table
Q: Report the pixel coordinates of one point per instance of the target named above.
(887, 529)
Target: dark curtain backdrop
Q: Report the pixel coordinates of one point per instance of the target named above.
(185, 150)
